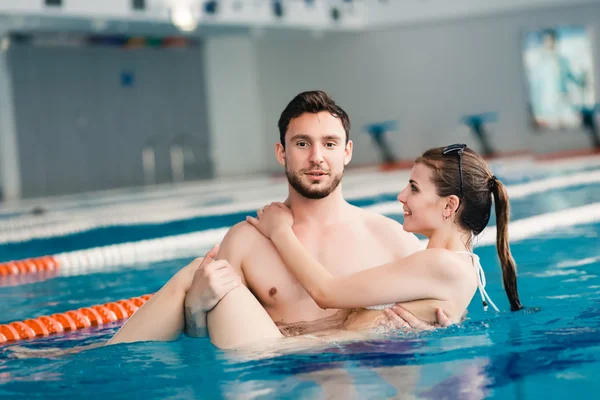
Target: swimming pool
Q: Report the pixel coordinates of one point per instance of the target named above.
(550, 348)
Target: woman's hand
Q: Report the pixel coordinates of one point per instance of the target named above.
(272, 218)
(212, 280)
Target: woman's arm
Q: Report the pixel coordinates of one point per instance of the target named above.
(423, 275)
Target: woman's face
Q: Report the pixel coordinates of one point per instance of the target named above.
(423, 208)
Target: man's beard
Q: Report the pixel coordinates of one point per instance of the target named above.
(295, 180)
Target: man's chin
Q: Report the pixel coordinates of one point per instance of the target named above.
(315, 194)
(314, 189)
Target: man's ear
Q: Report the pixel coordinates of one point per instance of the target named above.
(348, 156)
(280, 154)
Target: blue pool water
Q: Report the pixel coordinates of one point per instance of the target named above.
(549, 350)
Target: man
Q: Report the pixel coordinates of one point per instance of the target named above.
(314, 148)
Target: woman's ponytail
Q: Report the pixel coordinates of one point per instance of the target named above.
(509, 270)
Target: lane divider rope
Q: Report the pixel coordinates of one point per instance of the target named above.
(29, 228)
(242, 191)
(29, 266)
(193, 244)
(99, 258)
(159, 215)
(71, 320)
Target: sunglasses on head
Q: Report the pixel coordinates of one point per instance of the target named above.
(458, 149)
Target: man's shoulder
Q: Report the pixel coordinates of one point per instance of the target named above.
(242, 228)
(390, 231)
(242, 232)
(381, 223)
(238, 244)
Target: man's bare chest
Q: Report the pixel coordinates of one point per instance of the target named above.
(272, 283)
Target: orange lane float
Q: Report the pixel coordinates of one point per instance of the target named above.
(29, 266)
(71, 320)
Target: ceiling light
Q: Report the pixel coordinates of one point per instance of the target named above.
(183, 18)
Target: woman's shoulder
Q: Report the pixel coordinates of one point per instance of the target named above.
(446, 263)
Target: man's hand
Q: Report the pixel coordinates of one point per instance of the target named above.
(400, 318)
(212, 281)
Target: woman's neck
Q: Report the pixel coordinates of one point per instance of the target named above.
(450, 239)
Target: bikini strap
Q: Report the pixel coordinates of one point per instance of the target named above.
(481, 281)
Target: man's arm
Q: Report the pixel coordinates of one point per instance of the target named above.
(210, 284)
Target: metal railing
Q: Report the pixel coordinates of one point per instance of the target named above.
(149, 159)
(184, 154)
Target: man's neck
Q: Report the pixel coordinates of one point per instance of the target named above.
(323, 211)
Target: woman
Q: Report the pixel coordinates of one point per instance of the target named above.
(448, 199)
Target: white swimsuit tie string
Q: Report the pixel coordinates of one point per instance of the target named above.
(481, 282)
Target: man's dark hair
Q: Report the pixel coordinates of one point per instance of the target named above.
(313, 102)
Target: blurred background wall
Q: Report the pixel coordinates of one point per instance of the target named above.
(83, 115)
(91, 92)
(425, 75)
